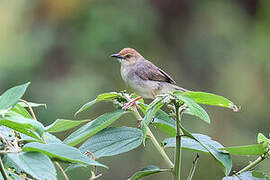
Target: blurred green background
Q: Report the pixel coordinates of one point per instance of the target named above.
(222, 47)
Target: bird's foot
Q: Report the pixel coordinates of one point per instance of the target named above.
(131, 103)
(91, 154)
(140, 123)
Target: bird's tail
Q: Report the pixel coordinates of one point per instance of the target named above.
(180, 88)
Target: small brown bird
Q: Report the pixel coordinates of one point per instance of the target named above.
(146, 79)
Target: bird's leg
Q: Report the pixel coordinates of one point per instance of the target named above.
(154, 93)
(131, 103)
(140, 123)
(91, 154)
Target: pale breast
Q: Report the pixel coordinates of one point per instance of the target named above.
(141, 87)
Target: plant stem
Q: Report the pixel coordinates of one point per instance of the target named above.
(3, 172)
(62, 170)
(35, 118)
(30, 108)
(193, 168)
(159, 148)
(177, 162)
(154, 141)
(253, 164)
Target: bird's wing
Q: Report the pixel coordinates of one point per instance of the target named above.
(148, 71)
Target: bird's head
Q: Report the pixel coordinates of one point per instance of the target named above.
(127, 56)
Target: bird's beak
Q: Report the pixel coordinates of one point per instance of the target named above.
(117, 56)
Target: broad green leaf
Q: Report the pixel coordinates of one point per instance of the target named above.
(193, 107)
(248, 175)
(191, 144)
(165, 123)
(62, 152)
(36, 164)
(256, 150)
(222, 157)
(211, 99)
(47, 137)
(26, 126)
(112, 141)
(10, 97)
(147, 171)
(93, 127)
(106, 96)
(63, 125)
(261, 139)
(19, 110)
(151, 110)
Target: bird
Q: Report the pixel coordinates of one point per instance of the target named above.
(143, 77)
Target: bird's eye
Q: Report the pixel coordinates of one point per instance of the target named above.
(127, 56)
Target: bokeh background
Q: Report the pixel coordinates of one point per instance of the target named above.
(63, 48)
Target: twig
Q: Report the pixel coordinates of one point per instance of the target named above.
(62, 170)
(7, 142)
(253, 164)
(30, 108)
(3, 172)
(6, 152)
(93, 177)
(193, 168)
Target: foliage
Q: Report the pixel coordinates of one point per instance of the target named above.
(28, 149)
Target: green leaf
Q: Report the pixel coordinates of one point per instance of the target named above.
(35, 164)
(93, 127)
(86, 106)
(192, 144)
(193, 107)
(259, 174)
(31, 104)
(49, 138)
(106, 96)
(151, 110)
(162, 120)
(261, 139)
(147, 171)
(222, 157)
(10, 97)
(248, 175)
(19, 110)
(63, 125)
(112, 141)
(211, 99)
(165, 123)
(256, 150)
(26, 126)
(62, 152)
